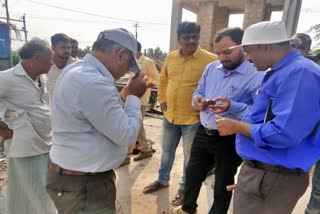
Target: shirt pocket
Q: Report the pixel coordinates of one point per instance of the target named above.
(11, 116)
(236, 93)
(174, 71)
(192, 73)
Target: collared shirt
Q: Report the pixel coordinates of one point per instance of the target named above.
(178, 79)
(26, 111)
(239, 85)
(148, 67)
(289, 139)
(54, 73)
(91, 130)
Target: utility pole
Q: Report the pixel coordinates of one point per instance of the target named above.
(24, 28)
(136, 25)
(8, 23)
(22, 19)
(7, 11)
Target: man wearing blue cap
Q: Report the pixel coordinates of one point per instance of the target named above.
(91, 130)
(279, 138)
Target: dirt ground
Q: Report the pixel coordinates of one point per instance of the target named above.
(3, 177)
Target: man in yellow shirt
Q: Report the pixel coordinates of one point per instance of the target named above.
(179, 77)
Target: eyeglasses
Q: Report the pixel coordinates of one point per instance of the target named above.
(188, 37)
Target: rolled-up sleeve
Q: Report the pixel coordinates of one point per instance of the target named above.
(99, 103)
(296, 109)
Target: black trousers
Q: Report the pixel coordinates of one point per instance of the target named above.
(208, 150)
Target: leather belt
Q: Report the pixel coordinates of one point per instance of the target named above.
(276, 169)
(211, 132)
(57, 169)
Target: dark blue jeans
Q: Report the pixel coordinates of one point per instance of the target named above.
(172, 134)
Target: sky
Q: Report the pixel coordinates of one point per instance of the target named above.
(83, 20)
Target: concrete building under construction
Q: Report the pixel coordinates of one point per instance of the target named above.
(213, 15)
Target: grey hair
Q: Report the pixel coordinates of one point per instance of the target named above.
(33, 47)
(105, 45)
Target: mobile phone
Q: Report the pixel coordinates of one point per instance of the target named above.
(210, 102)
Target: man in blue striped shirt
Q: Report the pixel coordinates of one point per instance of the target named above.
(231, 83)
(279, 138)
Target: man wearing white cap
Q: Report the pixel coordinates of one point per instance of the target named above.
(281, 127)
(91, 130)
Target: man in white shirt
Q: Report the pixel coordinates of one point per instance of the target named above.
(61, 47)
(26, 128)
(91, 129)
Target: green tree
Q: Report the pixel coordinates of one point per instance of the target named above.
(315, 29)
(83, 52)
(15, 60)
(156, 54)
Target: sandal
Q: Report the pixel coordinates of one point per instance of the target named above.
(177, 201)
(155, 186)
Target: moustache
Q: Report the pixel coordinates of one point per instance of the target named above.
(191, 44)
(225, 62)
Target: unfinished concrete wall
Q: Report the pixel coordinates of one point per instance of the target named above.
(211, 18)
(254, 12)
(213, 15)
(176, 17)
(206, 20)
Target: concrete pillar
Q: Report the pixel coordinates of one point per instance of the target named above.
(267, 12)
(291, 12)
(254, 12)
(221, 17)
(176, 17)
(206, 20)
(211, 18)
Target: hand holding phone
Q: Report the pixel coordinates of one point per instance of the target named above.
(137, 85)
(210, 102)
(221, 105)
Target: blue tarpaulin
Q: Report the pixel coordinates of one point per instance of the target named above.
(4, 41)
(4, 47)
